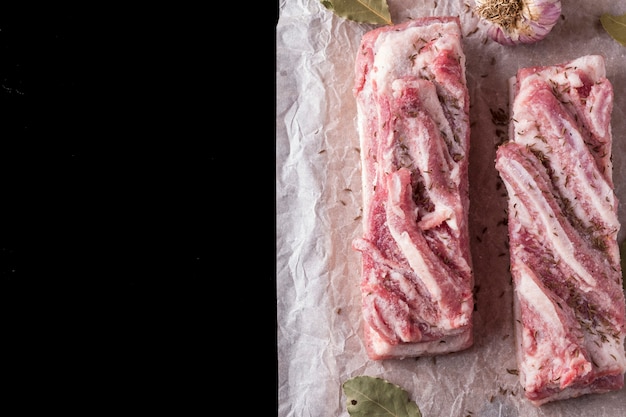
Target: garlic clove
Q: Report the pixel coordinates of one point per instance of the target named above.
(513, 22)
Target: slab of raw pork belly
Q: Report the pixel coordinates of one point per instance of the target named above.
(413, 123)
(562, 220)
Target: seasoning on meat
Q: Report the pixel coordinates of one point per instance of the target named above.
(565, 261)
(413, 123)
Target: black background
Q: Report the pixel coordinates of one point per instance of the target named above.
(131, 223)
(108, 189)
(102, 171)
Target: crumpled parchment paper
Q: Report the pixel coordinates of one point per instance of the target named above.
(318, 209)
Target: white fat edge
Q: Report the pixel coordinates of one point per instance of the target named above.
(607, 352)
(457, 112)
(386, 165)
(568, 75)
(602, 130)
(384, 309)
(565, 78)
(397, 53)
(399, 326)
(368, 144)
(520, 220)
(564, 248)
(396, 56)
(431, 105)
(592, 65)
(571, 79)
(453, 342)
(543, 306)
(372, 305)
(408, 288)
(447, 324)
(418, 264)
(464, 319)
(365, 246)
(405, 285)
(602, 200)
(379, 345)
(433, 219)
(519, 217)
(416, 261)
(523, 126)
(406, 245)
(395, 196)
(369, 180)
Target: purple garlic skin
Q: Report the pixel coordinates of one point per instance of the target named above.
(513, 22)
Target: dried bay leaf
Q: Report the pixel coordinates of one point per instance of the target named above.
(615, 26)
(370, 396)
(362, 11)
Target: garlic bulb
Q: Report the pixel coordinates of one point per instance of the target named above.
(512, 22)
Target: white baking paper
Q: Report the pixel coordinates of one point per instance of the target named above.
(318, 209)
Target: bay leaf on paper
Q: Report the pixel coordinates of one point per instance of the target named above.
(370, 396)
(362, 11)
(615, 26)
